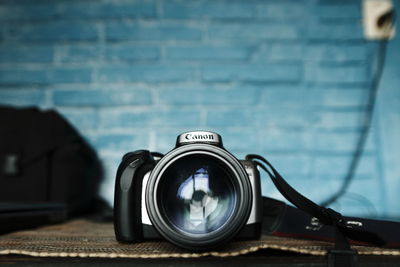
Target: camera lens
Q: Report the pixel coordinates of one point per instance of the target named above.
(196, 194)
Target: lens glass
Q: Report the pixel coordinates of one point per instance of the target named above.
(196, 194)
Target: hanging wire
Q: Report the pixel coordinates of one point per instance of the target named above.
(385, 21)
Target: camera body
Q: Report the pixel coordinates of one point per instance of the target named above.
(198, 196)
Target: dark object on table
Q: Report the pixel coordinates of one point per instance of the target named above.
(47, 170)
(15, 216)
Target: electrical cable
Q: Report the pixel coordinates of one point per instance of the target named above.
(366, 124)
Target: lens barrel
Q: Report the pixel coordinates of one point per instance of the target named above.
(198, 196)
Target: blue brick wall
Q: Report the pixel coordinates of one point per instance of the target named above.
(286, 79)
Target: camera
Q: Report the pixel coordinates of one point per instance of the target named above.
(198, 196)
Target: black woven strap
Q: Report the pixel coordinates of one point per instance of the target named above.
(342, 254)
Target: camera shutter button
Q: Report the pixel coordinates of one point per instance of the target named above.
(129, 173)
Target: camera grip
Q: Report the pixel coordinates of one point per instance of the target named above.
(128, 192)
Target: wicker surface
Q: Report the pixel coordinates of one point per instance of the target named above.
(81, 238)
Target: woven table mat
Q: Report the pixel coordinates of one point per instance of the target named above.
(82, 238)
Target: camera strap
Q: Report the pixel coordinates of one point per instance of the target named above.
(316, 222)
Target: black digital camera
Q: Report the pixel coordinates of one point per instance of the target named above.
(198, 196)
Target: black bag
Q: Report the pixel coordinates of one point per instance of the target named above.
(43, 159)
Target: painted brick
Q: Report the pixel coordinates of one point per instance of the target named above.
(22, 97)
(290, 164)
(99, 10)
(150, 118)
(101, 97)
(336, 52)
(335, 32)
(3, 31)
(331, 166)
(208, 9)
(75, 10)
(287, 95)
(166, 139)
(254, 31)
(208, 52)
(69, 75)
(35, 11)
(145, 73)
(55, 31)
(83, 119)
(295, 118)
(122, 142)
(26, 54)
(133, 31)
(206, 95)
(334, 120)
(44, 76)
(281, 52)
(336, 74)
(132, 53)
(76, 54)
(339, 98)
(278, 140)
(234, 117)
(337, 142)
(338, 11)
(285, 11)
(252, 72)
(8, 76)
(266, 117)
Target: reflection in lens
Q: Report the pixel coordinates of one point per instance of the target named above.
(197, 194)
(200, 201)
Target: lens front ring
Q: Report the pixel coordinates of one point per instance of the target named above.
(234, 222)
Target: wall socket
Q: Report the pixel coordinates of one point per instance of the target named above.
(373, 12)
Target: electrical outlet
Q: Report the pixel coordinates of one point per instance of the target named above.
(375, 27)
